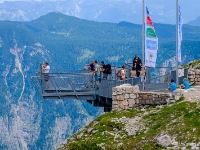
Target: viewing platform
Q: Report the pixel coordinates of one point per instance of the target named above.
(82, 85)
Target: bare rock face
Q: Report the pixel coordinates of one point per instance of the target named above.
(164, 140)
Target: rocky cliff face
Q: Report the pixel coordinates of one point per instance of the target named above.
(26, 120)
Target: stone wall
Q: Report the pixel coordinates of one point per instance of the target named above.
(194, 76)
(126, 96)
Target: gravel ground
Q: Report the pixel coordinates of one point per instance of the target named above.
(193, 94)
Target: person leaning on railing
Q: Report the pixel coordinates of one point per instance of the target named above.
(91, 66)
(105, 69)
(97, 72)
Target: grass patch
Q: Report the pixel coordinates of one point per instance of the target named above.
(180, 120)
(192, 64)
(84, 146)
(180, 99)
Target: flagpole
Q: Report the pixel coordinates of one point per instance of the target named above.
(177, 82)
(143, 41)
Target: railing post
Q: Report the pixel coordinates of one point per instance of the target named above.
(40, 70)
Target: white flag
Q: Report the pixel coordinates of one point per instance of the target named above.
(180, 22)
(151, 47)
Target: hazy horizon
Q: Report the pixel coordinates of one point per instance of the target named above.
(159, 9)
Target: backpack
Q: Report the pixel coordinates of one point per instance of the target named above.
(118, 74)
(108, 69)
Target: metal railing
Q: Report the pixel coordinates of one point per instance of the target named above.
(83, 82)
(60, 83)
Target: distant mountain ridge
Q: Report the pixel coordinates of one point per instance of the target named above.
(161, 11)
(67, 43)
(195, 22)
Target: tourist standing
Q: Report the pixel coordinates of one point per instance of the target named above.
(97, 72)
(46, 69)
(136, 60)
(133, 73)
(103, 70)
(138, 69)
(122, 73)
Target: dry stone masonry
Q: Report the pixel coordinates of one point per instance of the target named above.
(194, 76)
(126, 96)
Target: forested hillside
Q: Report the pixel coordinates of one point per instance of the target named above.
(67, 43)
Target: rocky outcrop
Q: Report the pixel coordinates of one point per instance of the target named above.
(164, 140)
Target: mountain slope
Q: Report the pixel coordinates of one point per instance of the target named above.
(195, 22)
(163, 127)
(67, 43)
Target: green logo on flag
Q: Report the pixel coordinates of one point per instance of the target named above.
(150, 32)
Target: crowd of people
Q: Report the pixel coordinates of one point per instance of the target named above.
(103, 68)
(106, 70)
(96, 69)
(136, 71)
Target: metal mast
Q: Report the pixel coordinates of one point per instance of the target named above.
(177, 82)
(143, 42)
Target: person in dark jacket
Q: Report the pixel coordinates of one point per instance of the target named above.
(106, 69)
(103, 69)
(138, 69)
(91, 66)
(136, 60)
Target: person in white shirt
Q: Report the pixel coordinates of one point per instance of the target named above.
(46, 70)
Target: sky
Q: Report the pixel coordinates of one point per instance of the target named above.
(190, 9)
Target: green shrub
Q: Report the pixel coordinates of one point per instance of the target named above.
(181, 99)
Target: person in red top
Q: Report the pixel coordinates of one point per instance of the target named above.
(122, 73)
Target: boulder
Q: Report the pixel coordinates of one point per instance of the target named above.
(164, 141)
(89, 130)
(79, 136)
